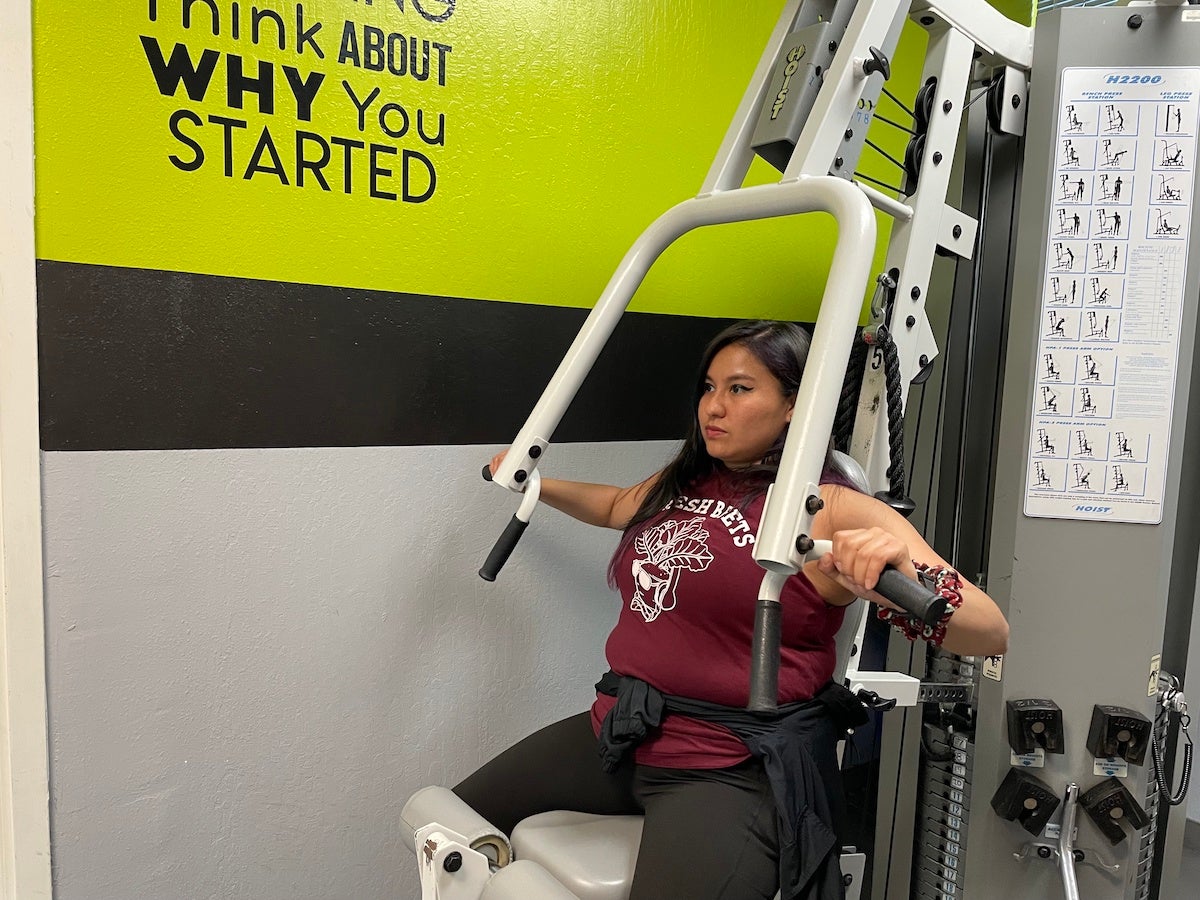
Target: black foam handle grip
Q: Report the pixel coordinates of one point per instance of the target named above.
(911, 596)
(764, 658)
(502, 549)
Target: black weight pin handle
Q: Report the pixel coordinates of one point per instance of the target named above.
(507, 542)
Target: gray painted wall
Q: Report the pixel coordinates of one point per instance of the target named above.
(255, 656)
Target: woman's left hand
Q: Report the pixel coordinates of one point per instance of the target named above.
(859, 556)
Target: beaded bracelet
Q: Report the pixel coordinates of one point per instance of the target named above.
(943, 581)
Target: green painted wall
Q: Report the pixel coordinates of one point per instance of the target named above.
(556, 133)
(1023, 11)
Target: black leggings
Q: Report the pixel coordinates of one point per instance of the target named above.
(710, 834)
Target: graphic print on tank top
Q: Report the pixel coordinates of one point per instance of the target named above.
(662, 554)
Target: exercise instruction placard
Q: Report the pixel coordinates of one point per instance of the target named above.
(1112, 293)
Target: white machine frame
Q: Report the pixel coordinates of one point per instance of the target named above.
(962, 36)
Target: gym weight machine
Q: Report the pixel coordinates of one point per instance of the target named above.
(825, 61)
(850, 58)
(994, 834)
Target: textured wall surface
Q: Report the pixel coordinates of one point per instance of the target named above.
(255, 656)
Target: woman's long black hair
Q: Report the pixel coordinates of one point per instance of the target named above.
(780, 346)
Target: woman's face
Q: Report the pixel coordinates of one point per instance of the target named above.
(743, 409)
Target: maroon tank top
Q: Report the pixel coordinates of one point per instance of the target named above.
(688, 585)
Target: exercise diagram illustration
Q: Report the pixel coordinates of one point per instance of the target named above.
(1113, 158)
(1110, 188)
(1097, 330)
(1064, 257)
(1167, 192)
(1109, 225)
(1083, 478)
(1099, 293)
(1063, 296)
(1071, 190)
(1045, 445)
(1105, 260)
(1119, 484)
(1163, 226)
(1041, 479)
(1085, 447)
(1121, 446)
(1052, 373)
(1087, 406)
(1172, 155)
(1068, 223)
(1070, 157)
(1172, 119)
(1075, 125)
(1056, 325)
(1115, 123)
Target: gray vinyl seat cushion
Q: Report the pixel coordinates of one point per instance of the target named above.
(593, 856)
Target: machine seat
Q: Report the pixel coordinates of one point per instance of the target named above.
(593, 856)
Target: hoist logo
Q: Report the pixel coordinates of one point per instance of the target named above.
(793, 63)
(1100, 510)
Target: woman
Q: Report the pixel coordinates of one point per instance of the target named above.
(688, 581)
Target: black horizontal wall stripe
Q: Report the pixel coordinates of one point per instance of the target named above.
(134, 359)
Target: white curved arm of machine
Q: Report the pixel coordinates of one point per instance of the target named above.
(468, 858)
(451, 870)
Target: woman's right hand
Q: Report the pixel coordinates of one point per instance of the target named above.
(496, 460)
